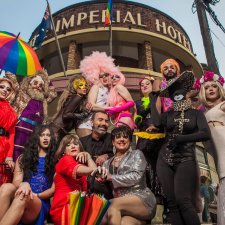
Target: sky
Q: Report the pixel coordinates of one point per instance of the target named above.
(25, 15)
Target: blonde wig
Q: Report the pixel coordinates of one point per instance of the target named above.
(68, 92)
(202, 95)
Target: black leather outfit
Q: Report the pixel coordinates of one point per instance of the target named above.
(70, 115)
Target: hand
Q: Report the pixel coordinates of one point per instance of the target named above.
(101, 159)
(89, 106)
(10, 164)
(83, 157)
(24, 191)
(102, 173)
(152, 129)
(154, 95)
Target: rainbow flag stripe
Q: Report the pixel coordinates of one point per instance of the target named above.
(16, 56)
(108, 18)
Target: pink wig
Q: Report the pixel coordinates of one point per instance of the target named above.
(114, 97)
(98, 62)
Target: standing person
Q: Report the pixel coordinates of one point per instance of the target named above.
(120, 101)
(27, 199)
(70, 173)
(176, 165)
(72, 107)
(204, 191)
(212, 96)
(149, 147)
(8, 119)
(99, 145)
(133, 202)
(31, 104)
(169, 69)
(97, 69)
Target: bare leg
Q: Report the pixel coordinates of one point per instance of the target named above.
(7, 192)
(131, 206)
(82, 132)
(25, 209)
(128, 220)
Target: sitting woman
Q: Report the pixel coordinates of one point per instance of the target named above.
(27, 198)
(70, 173)
(133, 201)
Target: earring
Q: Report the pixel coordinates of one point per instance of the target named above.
(114, 150)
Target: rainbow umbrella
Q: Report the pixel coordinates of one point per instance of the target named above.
(16, 56)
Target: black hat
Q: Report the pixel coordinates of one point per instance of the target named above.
(185, 81)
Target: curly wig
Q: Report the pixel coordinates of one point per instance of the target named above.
(29, 160)
(96, 63)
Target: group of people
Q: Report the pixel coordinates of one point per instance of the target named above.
(47, 160)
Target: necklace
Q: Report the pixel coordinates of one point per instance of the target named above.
(116, 163)
(181, 106)
(118, 158)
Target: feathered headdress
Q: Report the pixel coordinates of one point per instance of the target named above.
(96, 63)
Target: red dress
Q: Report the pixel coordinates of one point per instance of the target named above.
(8, 119)
(65, 181)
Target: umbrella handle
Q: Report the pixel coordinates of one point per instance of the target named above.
(92, 182)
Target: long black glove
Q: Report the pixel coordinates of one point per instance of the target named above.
(156, 120)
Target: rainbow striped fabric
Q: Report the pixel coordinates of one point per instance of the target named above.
(108, 18)
(16, 56)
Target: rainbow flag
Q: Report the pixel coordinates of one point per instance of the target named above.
(108, 17)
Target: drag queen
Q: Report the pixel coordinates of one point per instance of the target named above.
(169, 70)
(72, 107)
(31, 104)
(176, 166)
(212, 96)
(8, 119)
(96, 68)
(145, 143)
(120, 101)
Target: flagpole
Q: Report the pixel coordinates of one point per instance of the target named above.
(110, 39)
(56, 39)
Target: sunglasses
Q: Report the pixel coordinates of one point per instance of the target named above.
(115, 76)
(103, 75)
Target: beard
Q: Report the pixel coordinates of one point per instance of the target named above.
(37, 95)
(170, 76)
(98, 129)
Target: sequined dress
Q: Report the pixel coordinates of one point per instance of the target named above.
(130, 179)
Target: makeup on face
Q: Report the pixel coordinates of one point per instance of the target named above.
(5, 89)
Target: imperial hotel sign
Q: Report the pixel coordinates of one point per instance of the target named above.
(142, 37)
